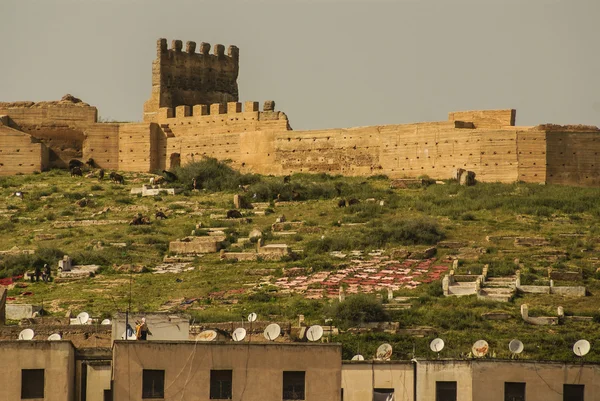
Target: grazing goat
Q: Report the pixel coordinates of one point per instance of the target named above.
(90, 163)
(100, 175)
(234, 214)
(160, 215)
(157, 180)
(117, 178)
(75, 163)
(170, 177)
(353, 201)
(341, 203)
(287, 179)
(76, 171)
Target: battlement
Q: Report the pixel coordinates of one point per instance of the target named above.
(184, 77)
(216, 109)
(190, 48)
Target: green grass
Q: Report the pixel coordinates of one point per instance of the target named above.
(410, 219)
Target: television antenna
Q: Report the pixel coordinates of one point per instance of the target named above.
(384, 352)
(239, 334)
(358, 357)
(26, 334)
(516, 347)
(581, 348)
(207, 335)
(314, 333)
(480, 348)
(83, 317)
(55, 337)
(272, 331)
(437, 345)
(106, 322)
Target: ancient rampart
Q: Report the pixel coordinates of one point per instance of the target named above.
(188, 78)
(193, 112)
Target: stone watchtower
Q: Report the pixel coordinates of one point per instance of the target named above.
(188, 78)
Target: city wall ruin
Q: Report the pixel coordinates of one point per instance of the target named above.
(193, 112)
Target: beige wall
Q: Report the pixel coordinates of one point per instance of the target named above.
(574, 158)
(257, 369)
(20, 153)
(102, 144)
(57, 358)
(98, 380)
(360, 378)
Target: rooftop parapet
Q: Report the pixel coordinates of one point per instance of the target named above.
(203, 110)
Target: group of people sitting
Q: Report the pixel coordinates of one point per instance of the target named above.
(45, 273)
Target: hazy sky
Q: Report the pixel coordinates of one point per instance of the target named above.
(325, 63)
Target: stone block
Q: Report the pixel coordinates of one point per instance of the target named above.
(200, 110)
(217, 108)
(196, 245)
(182, 111)
(234, 107)
(269, 105)
(251, 106)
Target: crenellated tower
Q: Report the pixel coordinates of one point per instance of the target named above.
(188, 78)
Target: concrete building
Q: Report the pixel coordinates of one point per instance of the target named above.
(216, 370)
(40, 370)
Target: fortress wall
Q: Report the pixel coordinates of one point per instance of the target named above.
(531, 148)
(58, 124)
(137, 142)
(190, 137)
(36, 114)
(183, 77)
(102, 145)
(20, 153)
(486, 118)
(573, 158)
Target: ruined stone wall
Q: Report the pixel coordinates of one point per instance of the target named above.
(59, 124)
(225, 132)
(573, 158)
(21, 153)
(137, 146)
(532, 152)
(102, 145)
(189, 78)
(486, 118)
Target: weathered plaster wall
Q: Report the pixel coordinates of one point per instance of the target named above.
(20, 152)
(184, 77)
(59, 124)
(102, 144)
(486, 118)
(138, 144)
(57, 358)
(360, 378)
(573, 158)
(257, 368)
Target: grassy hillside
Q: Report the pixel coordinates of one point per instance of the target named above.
(406, 220)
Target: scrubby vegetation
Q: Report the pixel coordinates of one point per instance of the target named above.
(396, 222)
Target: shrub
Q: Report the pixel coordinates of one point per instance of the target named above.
(213, 175)
(357, 309)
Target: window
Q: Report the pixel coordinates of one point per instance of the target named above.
(153, 383)
(573, 392)
(445, 391)
(32, 383)
(514, 391)
(293, 385)
(383, 394)
(220, 384)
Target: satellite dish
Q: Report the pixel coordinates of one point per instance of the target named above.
(272, 331)
(437, 345)
(207, 335)
(515, 346)
(239, 334)
(480, 348)
(358, 357)
(314, 333)
(83, 318)
(55, 337)
(252, 317)
(26, 334)
(384, 352)
(106, 322)
(581, 347)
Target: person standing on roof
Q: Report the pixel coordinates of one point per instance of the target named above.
(142, 330)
